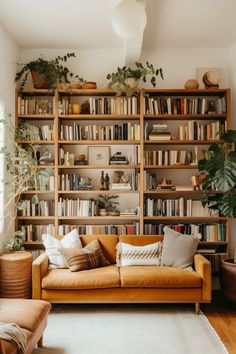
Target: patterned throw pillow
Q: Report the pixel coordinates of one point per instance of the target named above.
(138, 255)
(178, 249)
(51, 244)
(91, 256)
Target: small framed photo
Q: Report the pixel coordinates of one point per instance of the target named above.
(98, 155)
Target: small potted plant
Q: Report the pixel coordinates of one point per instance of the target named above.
(219, 165)
(47, 74)
(107, 205)
(127, 78)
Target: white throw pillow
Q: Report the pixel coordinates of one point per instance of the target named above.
(51, 244)
(138, 255)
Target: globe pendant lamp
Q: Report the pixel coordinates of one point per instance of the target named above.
(129, 18)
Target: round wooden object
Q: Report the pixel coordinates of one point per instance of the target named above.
(16, 272)
(191, 84)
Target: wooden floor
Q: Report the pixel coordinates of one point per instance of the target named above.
(222, 316)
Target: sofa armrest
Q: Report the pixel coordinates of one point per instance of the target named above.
(39, 269)
(203, 268)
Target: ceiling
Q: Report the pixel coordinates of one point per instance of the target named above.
(86, 24)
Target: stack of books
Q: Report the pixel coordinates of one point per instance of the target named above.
(121, 187)
(118, 159)
(159, 132)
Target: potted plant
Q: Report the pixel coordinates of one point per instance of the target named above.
(47, 74)
(107, 205)
(127, 78)
(219, 165)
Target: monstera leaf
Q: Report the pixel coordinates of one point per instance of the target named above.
(219, 167)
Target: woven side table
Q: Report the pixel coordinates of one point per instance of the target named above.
(15, 275)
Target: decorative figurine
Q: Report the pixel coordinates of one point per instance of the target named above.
(107, 182)
(102, 181)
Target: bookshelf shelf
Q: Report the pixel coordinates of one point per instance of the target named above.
(99, 116)
(182, 142)
(171, 167)
(77, 192)
(38, 142)
(184, 105)
(104, 167)
(99, 142)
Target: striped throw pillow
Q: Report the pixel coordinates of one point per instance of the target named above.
(91, 256)
(138, 255)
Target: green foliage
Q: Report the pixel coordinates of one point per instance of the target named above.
(107, 202)
(53, 70)
(15, 243)
(22, 167)
(219, 165)
(140, 72)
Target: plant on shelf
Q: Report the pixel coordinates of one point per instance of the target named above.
(47, 74)
(219, 165)
(107, 205)
(127, 78)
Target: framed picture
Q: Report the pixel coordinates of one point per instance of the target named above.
(98, 155)
(214, 75)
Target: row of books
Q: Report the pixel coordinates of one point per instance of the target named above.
(168, 157)
(42, 208)
(35, 232)
(125, 131)
(176, 207)
(184, 105)
(104, 105)
(129, 229)
(77, 207)
(196, 131)
(40, 105)
(209, 232)
(42, 132)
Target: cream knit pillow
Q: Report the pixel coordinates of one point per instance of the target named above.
(178, 249)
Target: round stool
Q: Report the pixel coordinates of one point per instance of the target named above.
(16, 271)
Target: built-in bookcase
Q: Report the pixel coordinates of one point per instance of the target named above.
(162, 134)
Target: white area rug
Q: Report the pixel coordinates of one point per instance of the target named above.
(129, 329)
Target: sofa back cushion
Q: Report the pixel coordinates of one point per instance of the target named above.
(107, 242)
(140, 240)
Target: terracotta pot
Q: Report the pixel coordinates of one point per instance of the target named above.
(103, 212)
(40, 81)
(228, 279)
(133, 83)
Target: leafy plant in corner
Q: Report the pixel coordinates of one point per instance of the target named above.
(47, 73)
(22, 169)
(118, 79)
(219, 167)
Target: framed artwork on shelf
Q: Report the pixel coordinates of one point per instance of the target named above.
(98, 155)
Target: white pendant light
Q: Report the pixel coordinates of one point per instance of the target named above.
(129, 18)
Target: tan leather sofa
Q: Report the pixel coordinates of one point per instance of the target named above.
(128, 284)
(30, 315)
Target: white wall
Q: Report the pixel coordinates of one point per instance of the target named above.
(179, 64)
(9, 54)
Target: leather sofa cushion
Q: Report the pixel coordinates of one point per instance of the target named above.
(140, 240)
(107, 242)
(106, 277)
(158, 277)
(26, 313)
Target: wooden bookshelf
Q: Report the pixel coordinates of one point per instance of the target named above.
(138, 116)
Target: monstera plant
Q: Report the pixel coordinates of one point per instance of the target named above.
(219, 169)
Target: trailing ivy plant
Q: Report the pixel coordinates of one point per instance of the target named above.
(138, 72)
(54, 71)
(15, 243)
(219, 168)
